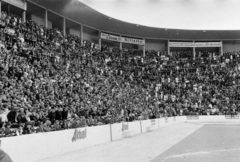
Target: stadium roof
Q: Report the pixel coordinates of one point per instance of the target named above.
(84, 14)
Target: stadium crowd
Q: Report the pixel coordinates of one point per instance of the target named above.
(50, 82)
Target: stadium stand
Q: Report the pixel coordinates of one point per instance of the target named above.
(51, 82)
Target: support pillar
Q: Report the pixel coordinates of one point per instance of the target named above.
(8, 9)
(168, 48)
(0, 8)
(81, 34)
(221, 48)
(144, 48)
(120, 44)
(24, 16)
(99, 40)
(46, 18)
(194, 51)
(64, 26)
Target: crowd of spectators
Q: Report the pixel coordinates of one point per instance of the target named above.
(51, 82)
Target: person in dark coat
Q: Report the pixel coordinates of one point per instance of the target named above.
(65, 113)
(12, 116)
(59, 115)
(52, 115)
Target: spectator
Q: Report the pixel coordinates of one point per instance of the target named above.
(54, 82)
(45, 127)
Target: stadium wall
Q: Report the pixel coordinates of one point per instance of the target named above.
(157, 45)
(74, 32)
(125, 45)
(39, 20)
(34, 147)
(230, 46)
(92, 37)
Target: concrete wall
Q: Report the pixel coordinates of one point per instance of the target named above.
(34, 147)
(157, 45)
(230, 46)
(110, 43)
(74, 32)
(134, 46)
(40, 20)
(90, 37)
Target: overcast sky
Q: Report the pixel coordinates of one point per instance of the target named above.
(177, 14)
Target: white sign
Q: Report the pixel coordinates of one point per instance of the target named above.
(197, 44)
(122, 39)
(208, 44)
(181, 44)
(133, 41)
(110, 37)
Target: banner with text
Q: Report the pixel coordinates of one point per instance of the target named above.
(181, 44)
(133, 41)
(110, 37)
(208, 44)
(122, 39)
(196, 44)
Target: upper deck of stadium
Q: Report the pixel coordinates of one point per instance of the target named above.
(76, 12)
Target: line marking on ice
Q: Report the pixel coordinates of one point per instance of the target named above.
(200, 152)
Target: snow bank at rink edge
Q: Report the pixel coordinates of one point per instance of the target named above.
(35, 147)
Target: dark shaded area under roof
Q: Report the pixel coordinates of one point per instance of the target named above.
(85, 15)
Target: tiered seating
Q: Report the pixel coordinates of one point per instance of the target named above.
(50, 82)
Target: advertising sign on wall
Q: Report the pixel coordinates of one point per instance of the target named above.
(153, 122)
(231, 116)
(110, 37)
(208, 44)
(124, 126)
(133, 41)
(79, 134)
(196, 44)
(193, 117)
(166, 119)
(181, 44)
(122, 39)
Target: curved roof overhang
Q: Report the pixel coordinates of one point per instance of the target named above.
(79, 12)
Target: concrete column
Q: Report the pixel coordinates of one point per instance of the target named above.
(81, 33)
(168, 48)
(144, 48)
(24, 16)
(8, 9)
(99, 40)
(64, 26)
(194, 51)
(120, 44)
(0, 8)
(46, 18)
(221, 49)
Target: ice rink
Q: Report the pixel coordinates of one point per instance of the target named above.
(184, 142)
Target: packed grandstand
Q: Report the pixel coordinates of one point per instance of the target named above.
(51, 82)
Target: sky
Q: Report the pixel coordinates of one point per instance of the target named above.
(174, 14)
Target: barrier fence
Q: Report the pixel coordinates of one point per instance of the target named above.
(34, 147)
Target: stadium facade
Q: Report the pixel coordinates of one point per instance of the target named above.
(74, 17)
